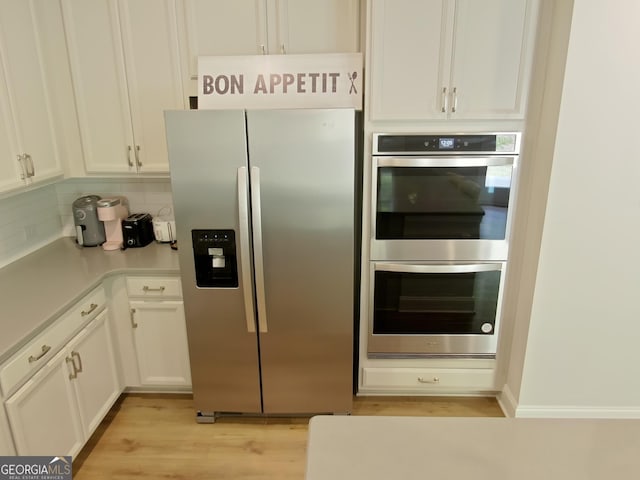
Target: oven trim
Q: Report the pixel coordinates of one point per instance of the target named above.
(440, 345)
(443, 249)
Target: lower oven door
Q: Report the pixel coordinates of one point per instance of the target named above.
(422, 309)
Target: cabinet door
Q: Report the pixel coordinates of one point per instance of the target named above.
(11, 173)
(220, 27)
(98, 70)
(6, 442)
(490, 61)
(96, 383)
(160, 338)
(149, 32)
(26, 81)
(43, 413)
(315, 26)
(410, 52)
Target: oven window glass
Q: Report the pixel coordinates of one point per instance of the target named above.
(435, 203)
(435, 303)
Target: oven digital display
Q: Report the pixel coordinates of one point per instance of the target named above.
(445, 143)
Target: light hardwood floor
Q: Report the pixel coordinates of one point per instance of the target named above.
(156, 436)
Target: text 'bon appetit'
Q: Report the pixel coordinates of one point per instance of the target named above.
(280, 83)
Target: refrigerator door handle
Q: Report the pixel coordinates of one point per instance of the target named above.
(256, 217)
(245, 267)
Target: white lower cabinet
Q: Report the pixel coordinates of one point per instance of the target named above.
(160, 339)
(159, 332)
(96, 381)
(56, 411)
(426, 380)
(44, 412)
(6, 440)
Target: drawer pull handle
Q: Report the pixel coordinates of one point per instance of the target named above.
(45, 350)
(429, 380)
(92, 307)
(77, 355)
(74, 374)
(132, 313)
(149, 289)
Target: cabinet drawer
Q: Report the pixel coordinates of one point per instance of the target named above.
(154, 287)
(427, 379)
(39, 350)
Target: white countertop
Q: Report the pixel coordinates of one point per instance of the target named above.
(37, 288)
(412, 448)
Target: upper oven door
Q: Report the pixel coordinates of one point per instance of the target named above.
(441, 208)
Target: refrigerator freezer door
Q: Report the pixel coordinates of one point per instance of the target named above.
(207, 154)
(305, 160)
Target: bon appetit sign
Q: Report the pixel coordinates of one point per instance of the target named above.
(280, 81)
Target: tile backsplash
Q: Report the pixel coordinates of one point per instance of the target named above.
(32, 219)
(28, 221)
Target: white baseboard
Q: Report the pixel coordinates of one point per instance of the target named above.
(511, 409)
(507, 402)
(562, 411)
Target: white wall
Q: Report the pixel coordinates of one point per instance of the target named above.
(582, 355)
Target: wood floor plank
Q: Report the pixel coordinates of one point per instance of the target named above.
(156, 436)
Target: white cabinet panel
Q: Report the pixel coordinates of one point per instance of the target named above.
(220, 27)
(27, 126)
(126, 70)
(160, 337)
(6, 440)
(428, 380)
(409, 65)
(450, 59)
(60, 406)
(44, 413)
(316, 26)
(489, 69)
(96, 382)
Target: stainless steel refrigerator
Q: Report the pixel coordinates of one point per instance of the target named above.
(264, 207)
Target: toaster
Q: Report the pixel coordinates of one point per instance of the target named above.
(137, 230)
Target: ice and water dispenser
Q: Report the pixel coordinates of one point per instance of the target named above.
(215, 258)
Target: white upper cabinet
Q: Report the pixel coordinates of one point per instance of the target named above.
(126, 71)
(314, 26)
(450, 59)
(28, 141)
(253, 27)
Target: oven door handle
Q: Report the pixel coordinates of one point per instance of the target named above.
(419, 268)
(445, 161)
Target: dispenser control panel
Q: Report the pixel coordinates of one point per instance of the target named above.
(215, 258)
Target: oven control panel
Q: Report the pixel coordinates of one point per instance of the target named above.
(443, 144)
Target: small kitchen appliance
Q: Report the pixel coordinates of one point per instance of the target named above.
(89, 229)
(137, 230)
(164, 230)
(112, 211)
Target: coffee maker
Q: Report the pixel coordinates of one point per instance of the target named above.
(89, 229)
(112, 211)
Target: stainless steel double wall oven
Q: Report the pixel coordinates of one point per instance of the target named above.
(441, 210)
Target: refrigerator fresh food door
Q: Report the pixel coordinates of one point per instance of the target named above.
(302, 186)
(209, 180)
